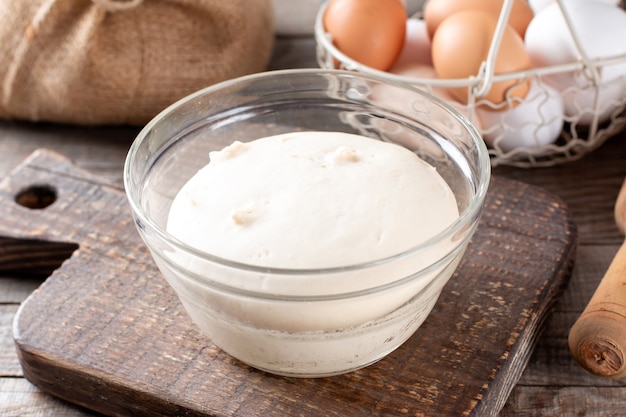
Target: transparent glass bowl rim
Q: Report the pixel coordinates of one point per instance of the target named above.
(470, 214)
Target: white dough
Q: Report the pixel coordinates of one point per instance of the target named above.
(311, 200)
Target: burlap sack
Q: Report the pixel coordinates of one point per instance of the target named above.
(122, 61)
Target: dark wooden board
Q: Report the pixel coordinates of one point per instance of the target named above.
(105, 331)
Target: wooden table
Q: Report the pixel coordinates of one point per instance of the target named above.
(552, 385)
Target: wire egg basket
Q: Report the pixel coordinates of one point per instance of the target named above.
(579, 132)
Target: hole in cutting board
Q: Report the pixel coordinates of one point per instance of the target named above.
(34, 258)
(37, 197)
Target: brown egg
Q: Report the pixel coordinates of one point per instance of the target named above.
(369, 31)
(460, 46)
(435, 11)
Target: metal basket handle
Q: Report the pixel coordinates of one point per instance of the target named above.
(486, 72)
(487, 68)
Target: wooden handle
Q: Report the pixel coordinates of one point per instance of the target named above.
(598, 338)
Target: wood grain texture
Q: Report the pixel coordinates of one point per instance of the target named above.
(100, 150)
(33, 257)
(106, 331)
(15, 289)
(19, 398)
(588, 186)
(552, 401)
(9, 366)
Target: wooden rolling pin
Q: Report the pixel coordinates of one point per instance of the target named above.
(597, 339)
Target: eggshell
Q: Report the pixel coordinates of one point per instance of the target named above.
(392, 98)
(436, 11)
(580, 104)
(460, 46)
(417, 46)
(424, 73)
(369, 31)
(397, 100)
(537, 121)
(599, 27)
(415, 70)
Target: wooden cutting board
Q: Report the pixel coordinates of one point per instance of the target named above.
(105, 330)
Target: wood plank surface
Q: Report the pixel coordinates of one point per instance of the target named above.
(561, 387)
(20, 398)
(8, 364)
(106, 325)
(566, 401)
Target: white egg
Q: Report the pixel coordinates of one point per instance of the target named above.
(426, 72)
(415, 70)
(535, 122)
(583, 101)
(599, 26)
(417, 48)
(393, 98)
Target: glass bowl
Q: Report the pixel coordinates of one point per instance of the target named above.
(349, 316)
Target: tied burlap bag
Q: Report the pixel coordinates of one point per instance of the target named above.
(122, 61)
